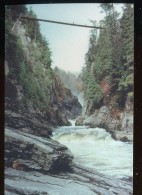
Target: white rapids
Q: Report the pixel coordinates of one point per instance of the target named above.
(95, 148)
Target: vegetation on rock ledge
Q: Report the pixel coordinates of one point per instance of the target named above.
(109, 61)
(28, 55)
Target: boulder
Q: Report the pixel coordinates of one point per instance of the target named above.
(125, 136)
(119, 124)
(35, 153)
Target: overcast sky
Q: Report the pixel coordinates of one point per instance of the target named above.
(68, 44)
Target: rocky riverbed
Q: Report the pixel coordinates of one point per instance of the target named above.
(46, 167)
(120, 126)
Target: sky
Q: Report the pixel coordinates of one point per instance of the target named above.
(68, 44)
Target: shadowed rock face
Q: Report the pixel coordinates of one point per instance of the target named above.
(21, 109)
(71, 81)
(36, 153)
(11, 90)
(47, 168)
(18, 114)
(64, 100)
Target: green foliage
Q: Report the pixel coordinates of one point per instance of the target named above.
(126, 83)
(32, 27)
(110, 56)
(46, 56)
(93, 92)
(130, 96)
(36, 82)
(106, 7)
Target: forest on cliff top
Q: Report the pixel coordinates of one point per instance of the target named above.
(109, 62)
(29, 65)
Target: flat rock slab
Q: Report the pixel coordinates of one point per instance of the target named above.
(80, 182)
(38, 180)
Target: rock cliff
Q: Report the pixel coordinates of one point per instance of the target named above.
(115, 113)
(108, 74)
(63, 105)
(118, 122)
(73, 82)
(33, 92)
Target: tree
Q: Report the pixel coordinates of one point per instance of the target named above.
(127, 37)
(106, 7)
(110, 57)
(35, 83)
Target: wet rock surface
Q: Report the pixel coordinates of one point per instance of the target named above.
(125, 136)
(45, 167)
(119, 124)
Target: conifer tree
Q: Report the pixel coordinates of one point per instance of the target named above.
(30, 65)
(110, 56)
(127, 37)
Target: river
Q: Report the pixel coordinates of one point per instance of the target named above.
(95, 148)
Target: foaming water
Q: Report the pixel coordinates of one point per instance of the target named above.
(72, 122)
(95, 148)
